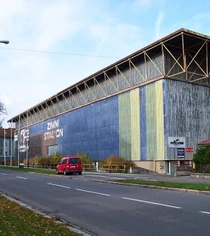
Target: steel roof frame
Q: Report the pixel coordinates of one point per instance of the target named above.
(183, 53)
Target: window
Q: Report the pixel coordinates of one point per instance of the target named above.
(52, 149)
(64, 161)
(74, 161)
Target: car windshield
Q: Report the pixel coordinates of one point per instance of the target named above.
(74, 161)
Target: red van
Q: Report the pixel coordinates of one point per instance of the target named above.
(69, 165)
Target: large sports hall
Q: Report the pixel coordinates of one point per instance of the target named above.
(151, 107)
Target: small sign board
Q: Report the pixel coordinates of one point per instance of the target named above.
(176, 142)
(181, 152)
(189, 149)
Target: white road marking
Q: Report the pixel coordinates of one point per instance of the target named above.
(102, 176)
(2, 174)
(19, 177)
(57, 185)
(205, 212)
(153, 203)
(87, 191)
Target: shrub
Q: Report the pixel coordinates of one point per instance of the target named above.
(118, 161)
(85, 157)
(40, 161)
(202, 158)
(55, 158)
(33, 161)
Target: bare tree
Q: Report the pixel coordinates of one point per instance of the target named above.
(1, 122)
(3, 110)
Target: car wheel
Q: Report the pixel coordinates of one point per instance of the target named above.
(80, 173)
(64, 172)
(57, 172)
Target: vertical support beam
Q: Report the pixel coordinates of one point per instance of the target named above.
(164, 60)
(184, 57)
(130, 69)
(207, 59)
(184, 54)
(145, 66)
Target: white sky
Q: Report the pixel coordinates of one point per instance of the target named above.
(92, 34)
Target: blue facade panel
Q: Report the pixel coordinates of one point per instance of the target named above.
(143, 142)
(93, 129)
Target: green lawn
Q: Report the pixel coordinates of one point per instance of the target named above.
(20, 221)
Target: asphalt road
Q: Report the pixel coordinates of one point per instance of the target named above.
(108, 209)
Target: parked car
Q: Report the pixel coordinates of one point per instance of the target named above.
(69, 165)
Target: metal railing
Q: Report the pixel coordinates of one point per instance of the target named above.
(89, 167)
(113, 168)
(86, 167)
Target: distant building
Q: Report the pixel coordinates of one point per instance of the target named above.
(6, 145)
(151, 107)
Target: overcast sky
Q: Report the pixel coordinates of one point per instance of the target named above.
(56, 43)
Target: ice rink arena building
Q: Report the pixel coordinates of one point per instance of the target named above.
(151, 107)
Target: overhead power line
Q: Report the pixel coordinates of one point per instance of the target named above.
(59, 53)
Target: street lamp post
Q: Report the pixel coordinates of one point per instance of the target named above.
(5, 42)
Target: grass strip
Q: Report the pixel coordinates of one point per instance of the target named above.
(26, 169)
(194, 186)
(20, 221)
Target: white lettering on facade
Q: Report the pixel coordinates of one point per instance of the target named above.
(59, 133)
(53, 124)
(49, 135)
(53, 130)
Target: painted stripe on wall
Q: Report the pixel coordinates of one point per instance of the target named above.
(124, 126)
(135, 124)
(143, 140)
(160, 119)
(151, 127)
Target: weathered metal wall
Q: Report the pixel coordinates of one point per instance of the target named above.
(188, 113)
